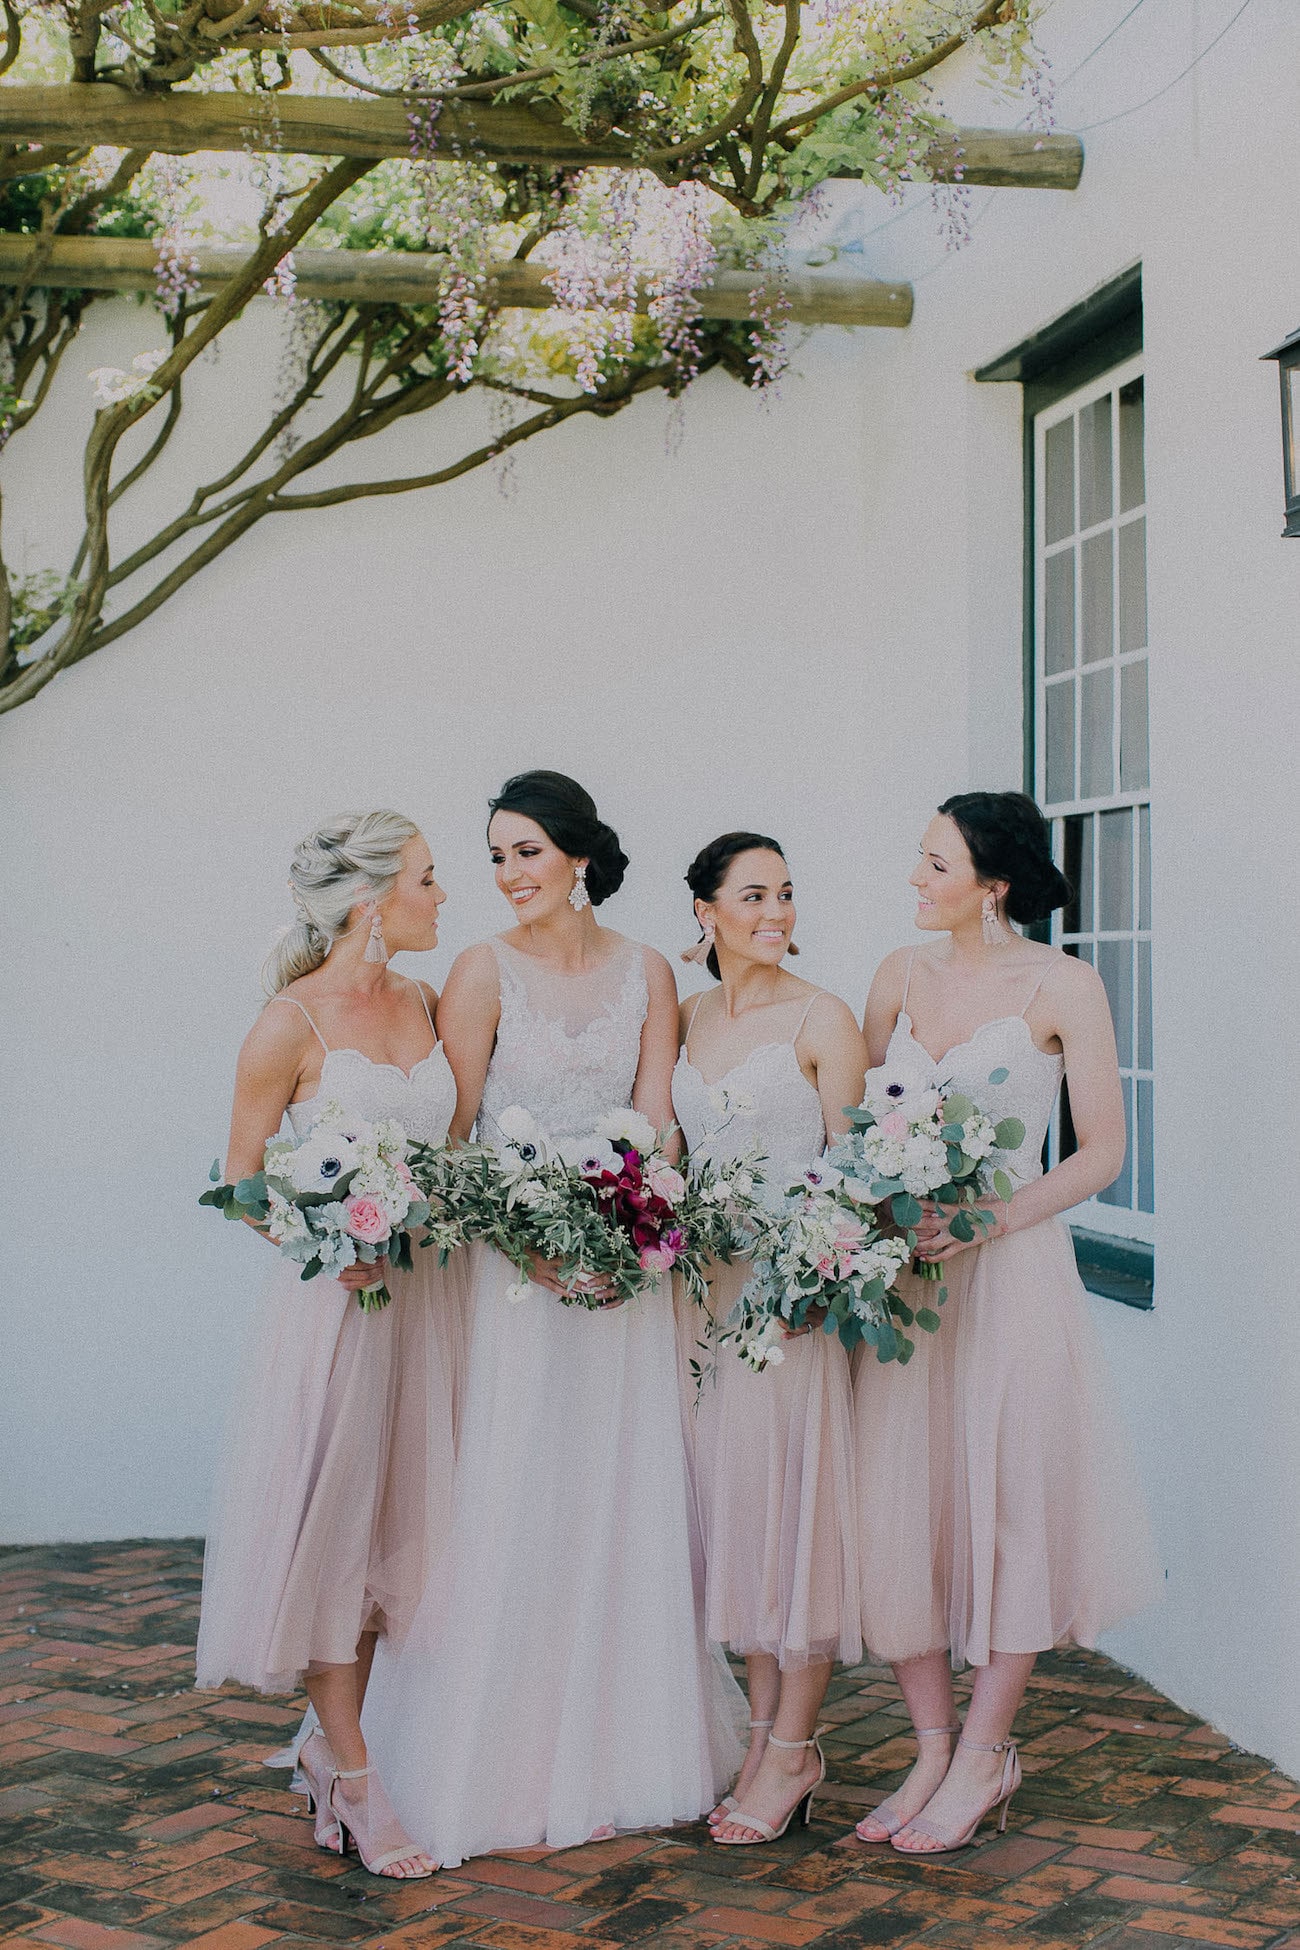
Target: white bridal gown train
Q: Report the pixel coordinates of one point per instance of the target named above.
(556, 1679)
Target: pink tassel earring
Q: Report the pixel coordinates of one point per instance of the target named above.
(992, 932)
(700, 952)
(376, 946)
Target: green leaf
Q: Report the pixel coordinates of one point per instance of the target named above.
(1002, 1186)
(960, 1227)
(906, 1210)
(1009, 1135)
(999, 1075)
(903, 1312)
(928, 1319)
(957, 1108)
(906, 1349)
(215, 1173)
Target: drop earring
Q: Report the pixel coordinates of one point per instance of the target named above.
(578, 895)
(702, 949)
(376, 946)
(992, 932)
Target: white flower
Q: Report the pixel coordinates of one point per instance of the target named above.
(629, 1126)
(531, 1194)
(589, 1156)
(524, 1135)
(321, 1160)
(285, 1221)
(113, 386)
(888, 1090)
(742, 1184)
(821, 1177)
(517, 1291)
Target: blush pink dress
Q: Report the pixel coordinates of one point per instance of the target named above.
(999, 1506)
(773, 1451)
(335, 1486)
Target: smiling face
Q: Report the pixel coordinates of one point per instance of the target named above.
(752, 913)
(532, 872)
(949, 892)
(409, 913)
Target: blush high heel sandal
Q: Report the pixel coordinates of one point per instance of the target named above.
(883, 1817)
(1002, 1799)
(373, 1826)
(317, 1790)
(728, 1804)
(802, 1806)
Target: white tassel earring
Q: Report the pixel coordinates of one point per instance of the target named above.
(700, 952)
(376, 946)
(992, 932)
(578, 895)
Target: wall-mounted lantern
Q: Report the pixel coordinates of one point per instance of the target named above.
(1288, 364)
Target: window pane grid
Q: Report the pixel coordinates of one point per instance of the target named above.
(1091, 721)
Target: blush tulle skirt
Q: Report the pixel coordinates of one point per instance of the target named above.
(334, 1491)
(556, 1678)
(772, 1457)
(999, 1505)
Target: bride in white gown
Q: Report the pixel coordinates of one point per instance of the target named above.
(556, 1684)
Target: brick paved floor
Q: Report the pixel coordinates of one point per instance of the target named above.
(135, 1815)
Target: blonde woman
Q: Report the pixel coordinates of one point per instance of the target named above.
(336, 1486)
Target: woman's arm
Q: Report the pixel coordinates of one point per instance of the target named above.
(467, 1019)
(267, 1076)
(884, 1004)
(652, 1093)
(1073, 1007)
(839, 1053)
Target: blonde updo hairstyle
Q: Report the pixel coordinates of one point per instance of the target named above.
(350, 858)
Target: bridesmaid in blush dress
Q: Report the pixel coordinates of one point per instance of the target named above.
(999, 1512)
(335, 1490)
(767, 1064)
(556, 1684)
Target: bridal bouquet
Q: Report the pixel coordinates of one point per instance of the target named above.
(819, 1252)
(609, 1207)
(343, 1195)
(909, 1143)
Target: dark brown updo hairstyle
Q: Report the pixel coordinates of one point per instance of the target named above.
(568, 817)
(1009, 840)
(708, 870)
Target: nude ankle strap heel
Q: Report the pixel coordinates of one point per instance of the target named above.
(728, 1804)
(881, 1817)
(803, 1806)
(1011, 1777)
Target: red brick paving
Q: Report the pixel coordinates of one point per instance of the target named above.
(136, 1815)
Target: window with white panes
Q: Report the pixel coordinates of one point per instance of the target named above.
(1091, 744)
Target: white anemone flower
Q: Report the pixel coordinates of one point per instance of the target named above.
(321, 1160)
(524, 1135)
(629, 1126)
(590, 1156)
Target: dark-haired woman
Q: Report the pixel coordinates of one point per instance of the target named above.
(556, 1684)
(767, 1064)
(999, 1513)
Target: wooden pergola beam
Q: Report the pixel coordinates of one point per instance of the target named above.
(183, 124)
(415, 277)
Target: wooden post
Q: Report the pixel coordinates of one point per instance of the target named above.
(415, 277)
(324, 125)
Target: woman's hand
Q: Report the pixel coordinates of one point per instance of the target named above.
(358, 1276)
(934, 1240)
(816, 1315)
(546, 1272)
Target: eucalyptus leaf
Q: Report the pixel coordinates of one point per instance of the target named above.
(1009, 1135)
(999, 1075)
(928, 1319)
(1002, 1185)
(961, 1228)
(906, 1210)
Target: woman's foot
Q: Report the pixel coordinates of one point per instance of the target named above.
(979, 1779)
(933, 1754)
(786, 1773)
(758, 1732)
(365, 1816)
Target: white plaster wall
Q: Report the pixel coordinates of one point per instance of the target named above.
(808, 619)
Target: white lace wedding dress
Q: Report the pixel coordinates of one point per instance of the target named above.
(556, 1679)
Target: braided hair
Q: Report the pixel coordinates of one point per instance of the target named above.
(350, 858)
(1009, 839)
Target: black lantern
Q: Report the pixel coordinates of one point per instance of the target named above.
(1288, 365)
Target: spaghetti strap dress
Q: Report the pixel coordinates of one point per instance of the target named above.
(772, 1451)
(556, 1680)
(334, 1491)
(998, 1502)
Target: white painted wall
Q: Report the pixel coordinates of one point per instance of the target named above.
(808, 619)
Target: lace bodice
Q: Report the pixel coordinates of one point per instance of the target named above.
(1005, 1043)
(421, 1100)
(764, 1104)
(567, 1046)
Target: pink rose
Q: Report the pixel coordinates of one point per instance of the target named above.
(895, 1125)
(665, 1183)
(366, 1220)
(657, 1259)
(404, 1173)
